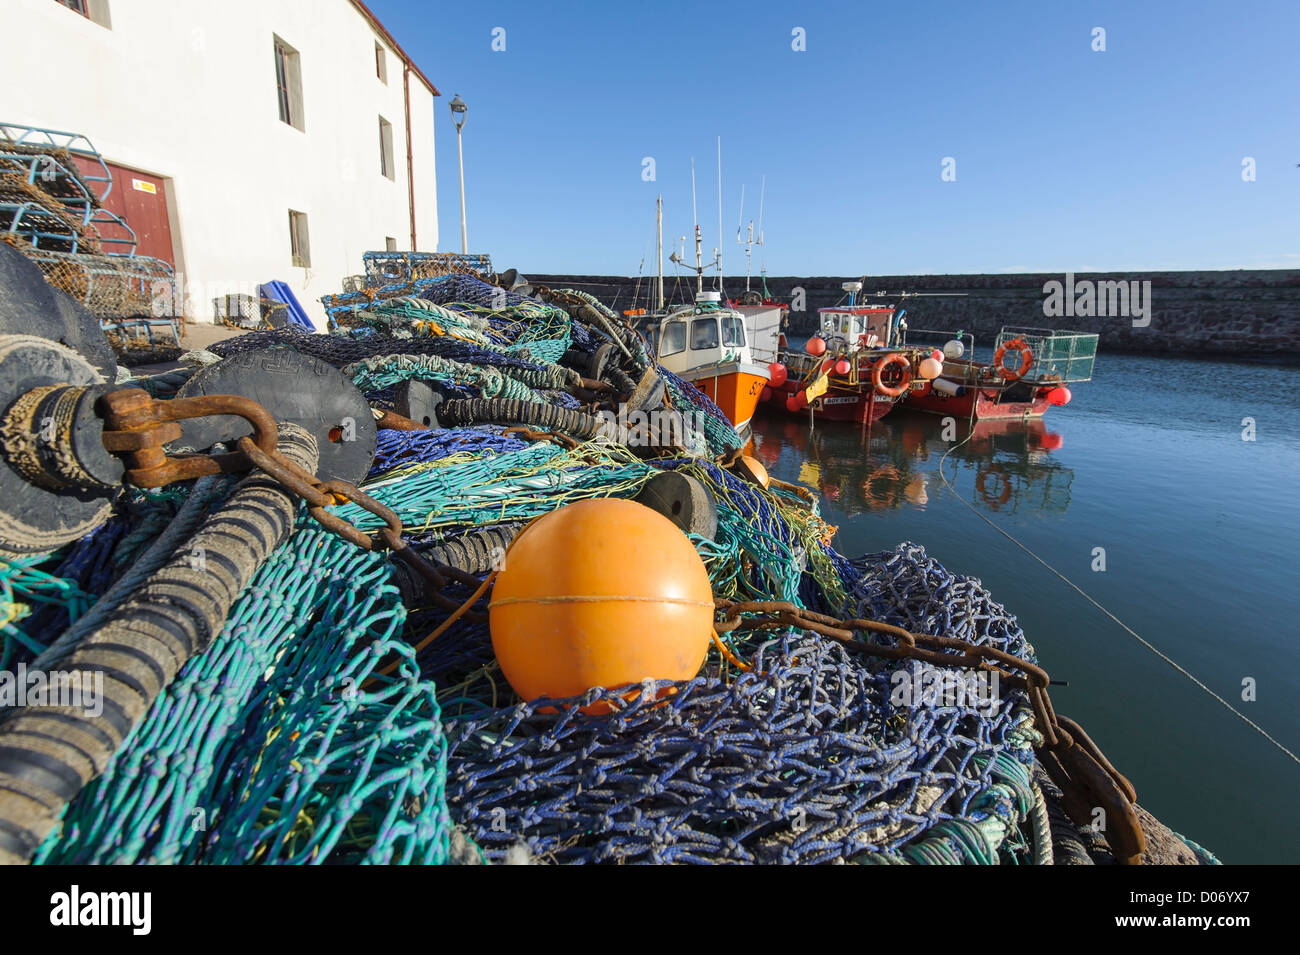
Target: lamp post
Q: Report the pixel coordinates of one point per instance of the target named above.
(459, 112)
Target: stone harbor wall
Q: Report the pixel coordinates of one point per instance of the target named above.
(1242, 314)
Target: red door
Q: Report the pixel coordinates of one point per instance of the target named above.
(141, 200)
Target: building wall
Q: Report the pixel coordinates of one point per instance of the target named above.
(187, 91)
(1248, 314)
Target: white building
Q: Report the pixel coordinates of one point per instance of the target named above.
(250, 140)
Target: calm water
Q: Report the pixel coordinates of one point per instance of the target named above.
(1200, 530)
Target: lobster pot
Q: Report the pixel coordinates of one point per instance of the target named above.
(946, 386)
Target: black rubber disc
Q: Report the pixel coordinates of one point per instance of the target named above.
(35, 519)
(293, 387)
(417, 400)
(683, 500)
(31, 306)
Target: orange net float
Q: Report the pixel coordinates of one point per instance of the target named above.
(878, 371)
(751, 469)
(602, 593)
(1026, 359)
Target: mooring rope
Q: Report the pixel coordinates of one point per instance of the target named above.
(1086, 596)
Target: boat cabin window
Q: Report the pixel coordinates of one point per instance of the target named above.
(673, 340)
(733, 331)
(704, 334)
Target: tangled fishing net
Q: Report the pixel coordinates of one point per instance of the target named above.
(320, 727)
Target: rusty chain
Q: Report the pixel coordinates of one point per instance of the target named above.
(1075, 763)
(137, 426)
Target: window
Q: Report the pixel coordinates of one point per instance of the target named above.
(95, 11)
(381, 63)
(390, 244)
(386, 147)
(733, 331)
(704, 334)
(299, 245)
(673, 339)
(288, 84)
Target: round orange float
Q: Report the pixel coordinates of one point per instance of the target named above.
(601, 593)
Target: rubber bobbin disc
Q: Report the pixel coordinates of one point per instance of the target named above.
(293, 387)
(36, 519)
(29, 305)
(417, 400)
(683, 500)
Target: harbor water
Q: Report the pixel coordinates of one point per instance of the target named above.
(1166, 490)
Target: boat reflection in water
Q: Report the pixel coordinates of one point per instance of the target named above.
(894, 463)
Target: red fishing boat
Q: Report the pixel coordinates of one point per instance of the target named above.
(1030, 372)
(854, 370)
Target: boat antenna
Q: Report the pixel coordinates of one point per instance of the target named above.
(699, 261)
(762, 259)
(748, 241)
(659, 247)
(718, 254)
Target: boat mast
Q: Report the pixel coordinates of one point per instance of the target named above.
(695, 214)
(762, 263)
(659, 229)
(718, 253)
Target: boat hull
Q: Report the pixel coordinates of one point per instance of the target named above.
(735, 389)
(980, 404)
(859, 408)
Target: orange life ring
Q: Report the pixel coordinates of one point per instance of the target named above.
(981, 485)
(1026, 359)
(877, 370)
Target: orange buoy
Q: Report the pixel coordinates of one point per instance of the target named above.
(601, 593)
(751, 470)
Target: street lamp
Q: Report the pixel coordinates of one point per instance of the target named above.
(459, 112)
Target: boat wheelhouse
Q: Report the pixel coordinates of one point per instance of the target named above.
(708, 345)
(855, 369)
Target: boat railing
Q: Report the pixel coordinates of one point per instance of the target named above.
(1060, 356)
(966, 338)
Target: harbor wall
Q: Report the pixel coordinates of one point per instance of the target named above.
(1244, 314)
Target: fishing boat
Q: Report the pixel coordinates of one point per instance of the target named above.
(707, 345)
(855, 369)
(1031, 371)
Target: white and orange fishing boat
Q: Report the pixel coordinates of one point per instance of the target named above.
(707, 345)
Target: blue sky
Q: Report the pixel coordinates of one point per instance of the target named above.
(1065, 158)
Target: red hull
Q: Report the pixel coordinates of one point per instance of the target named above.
(856, 408)
(979, 403)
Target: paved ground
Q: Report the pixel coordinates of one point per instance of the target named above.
(197, 335)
